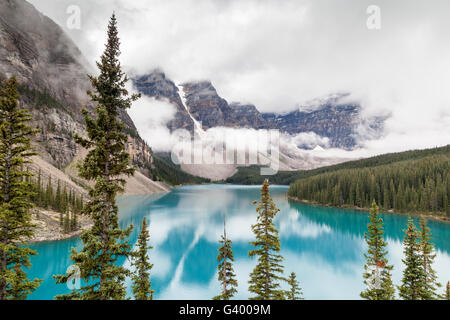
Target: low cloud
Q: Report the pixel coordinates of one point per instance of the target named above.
(151, 117)
(279, 55)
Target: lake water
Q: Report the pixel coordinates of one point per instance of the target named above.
(324, 246)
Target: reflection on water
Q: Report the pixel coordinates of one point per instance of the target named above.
(324, 246)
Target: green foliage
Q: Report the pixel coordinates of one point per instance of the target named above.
(408, 186)
(251, 174)
(142, 286)
(106, 163)
(294, 292)
(132, 132)
(41, 100)
(413, 280)
(428, 254)
(447, 291)
(265, 277)
(226, 275)
(67, 203)
(377, 272)
(15, 194)
(167, 171)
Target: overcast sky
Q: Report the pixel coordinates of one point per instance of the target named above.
(278, 54)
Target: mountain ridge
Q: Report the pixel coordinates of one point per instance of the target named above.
(339, 122)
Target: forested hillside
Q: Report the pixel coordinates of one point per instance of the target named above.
(251, 174)
(415, 181)
(171, 173)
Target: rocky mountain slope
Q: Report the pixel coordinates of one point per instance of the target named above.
(339, 122)
(53, 81)
(336, 122)
(206, 106)
(248, 116)
(158, 86)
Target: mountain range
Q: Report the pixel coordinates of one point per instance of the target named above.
(330, 118)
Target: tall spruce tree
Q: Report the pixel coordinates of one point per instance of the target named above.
(106, 163)
(226, 275)
(413, 280)
(377, 272)
(15, 195)
(428, 255)
(142, 286)
(266, 276)
(294, 292)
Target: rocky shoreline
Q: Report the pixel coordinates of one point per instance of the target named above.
(48, 227)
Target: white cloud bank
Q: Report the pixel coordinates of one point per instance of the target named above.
(151, 116)
(277, 54)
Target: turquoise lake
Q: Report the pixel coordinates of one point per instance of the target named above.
(323, 246)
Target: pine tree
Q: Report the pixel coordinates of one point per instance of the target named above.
(295, 292)
(386, 201)
(15, 195)
(74, 221)
(428, 255)
(70, 198)
(142, 286)
(377, 272)
(39, 189)
(66, 222)
(106, 163)
(57, 205)
(49, 193)
(61, 219)
(81, 203)
(226, 275)
(358, 196)
(447, 291)
(265, 277)
(393, 193)
(413, 274)
(64, 200)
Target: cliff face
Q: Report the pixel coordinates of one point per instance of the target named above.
(53, 81)
(327, 118)
(39, 54)
(158, 86)
(206, 105)
(336, 122)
